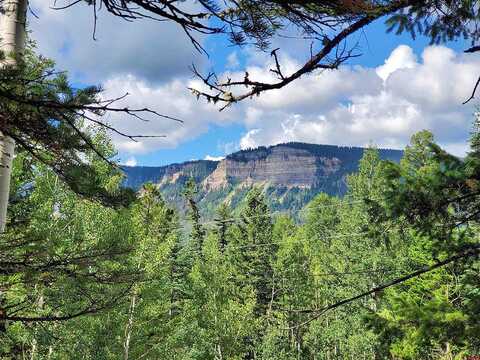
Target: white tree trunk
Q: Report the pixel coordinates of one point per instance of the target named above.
(129, 327)
(12, 43)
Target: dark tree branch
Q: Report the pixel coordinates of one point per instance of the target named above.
(93, 307)
(473, 49)
(158, 10)
(470, 252)
(473, 92)
(222, 91)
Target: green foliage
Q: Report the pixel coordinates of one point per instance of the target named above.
(62, 256)
(434, 193)
(249, 285)
(198, 233)
(440, 21)
(79, 280)
(60, 126)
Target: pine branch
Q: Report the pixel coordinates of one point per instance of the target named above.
(471, 252)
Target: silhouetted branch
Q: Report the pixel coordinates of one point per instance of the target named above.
(471, 252)
(159, 10)
(473, 92)
(222, 92)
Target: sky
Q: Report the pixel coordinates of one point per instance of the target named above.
(397, 87)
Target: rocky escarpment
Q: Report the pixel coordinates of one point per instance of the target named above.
(291, 174)
(282, 166)
(135, 176)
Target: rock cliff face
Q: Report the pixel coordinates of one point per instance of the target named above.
(135, 176)
(292, 174)
(282, 166)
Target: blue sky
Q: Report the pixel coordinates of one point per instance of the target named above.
(216, 142)
(398, 86)
(376, 44)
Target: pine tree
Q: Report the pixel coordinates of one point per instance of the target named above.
(224, 223)
(258, 249)
(294, 290)
(198, 232)
(63, 257)
(431, 316)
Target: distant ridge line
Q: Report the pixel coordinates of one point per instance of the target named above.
(292, 144)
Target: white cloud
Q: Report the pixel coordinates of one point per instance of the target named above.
(131, 161)
(249, 140)
(149, 49)
(214, 158)
(350, 106)
(232, 61)
(400, 58)
(386, 105)
(171, 98)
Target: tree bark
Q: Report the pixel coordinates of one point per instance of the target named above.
(129, 327)
(12, 43)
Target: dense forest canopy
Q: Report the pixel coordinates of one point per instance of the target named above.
(90, 270)
(248, 286)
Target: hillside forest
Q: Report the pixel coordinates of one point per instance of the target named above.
(388, 268)
(376, 274)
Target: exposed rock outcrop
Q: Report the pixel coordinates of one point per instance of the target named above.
(292, 174)
(282, 166)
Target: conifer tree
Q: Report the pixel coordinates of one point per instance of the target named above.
(198, 232)
(252, 253)
(294, 289)
(258, 249)
(430, 192)
(62, 257)
(154, 236)
(224, 222)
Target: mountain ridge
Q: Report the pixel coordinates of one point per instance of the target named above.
(291, 173)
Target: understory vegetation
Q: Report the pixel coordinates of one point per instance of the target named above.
(85, 281)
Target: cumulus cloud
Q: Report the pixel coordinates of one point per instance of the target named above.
(383, 105)
(131, 161)
(402, 57)
(152, 50)
(353, 105)
(349, 106)
(171, 98)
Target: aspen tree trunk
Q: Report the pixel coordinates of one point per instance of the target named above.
(12, 43)
(34, 349)
(218, 346)
(129, 327)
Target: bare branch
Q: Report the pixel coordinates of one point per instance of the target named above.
(222, 91)
(473, 92)
(471, 252)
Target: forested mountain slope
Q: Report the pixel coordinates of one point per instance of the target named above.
(291, 174)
